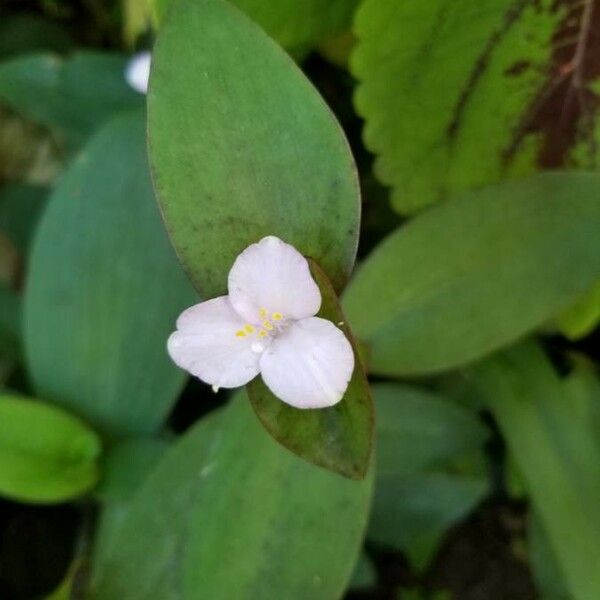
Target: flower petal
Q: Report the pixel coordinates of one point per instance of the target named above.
(272, 277)
(309, 364)
(208, 343)
(137, 72)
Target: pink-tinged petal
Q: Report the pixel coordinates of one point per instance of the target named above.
(309, 364)
(272, 278)
(209, 344)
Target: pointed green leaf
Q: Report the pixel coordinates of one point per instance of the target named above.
(460, 94)
(475, 274)
(558, 454)
(104, 289)
(338, 438)
(242, 146)
(46, 455)
(228, 491)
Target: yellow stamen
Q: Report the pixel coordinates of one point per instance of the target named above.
(262, 333)
(277, 316)
(262, 313)
(240, 333)
(249, 328)
(267, 325)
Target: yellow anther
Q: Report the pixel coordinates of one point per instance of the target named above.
(249, 328)
(277, 316)
(268, 325)
(262, 333)
(240, 333)
(262, 313)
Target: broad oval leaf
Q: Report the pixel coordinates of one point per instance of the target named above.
(288, 529)
(472, 275)
(338, 438)
(46, 454)
(72, 95)
(242, 147)
(104, 289)
(462, 94)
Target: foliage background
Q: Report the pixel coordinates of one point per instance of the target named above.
(473, 136)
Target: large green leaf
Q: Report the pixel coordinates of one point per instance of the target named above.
(72, 95)
(104, 289)
(338, 438)
(242, 146)
(46, 455)
(474, 274)
(430, 469)
(228, 514)
(558, 454)
(458, 94)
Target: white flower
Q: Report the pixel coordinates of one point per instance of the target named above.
(267, 325)
(137, 71)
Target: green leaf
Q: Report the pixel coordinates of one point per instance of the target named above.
(46, 455)
(557, 452)
(297, 25)
(338, 438)
(418, 430)
(72, 95)
(226, 489)
(125, 469)
(475, 274)
(250, 149)
(300, 24)
(581, 318)
(414, 512)
(430, 469)
(545, 570)
(364, 575)
(104, 290)
(458, 94)
(20, 208)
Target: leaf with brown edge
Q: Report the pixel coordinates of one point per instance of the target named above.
(338, 438)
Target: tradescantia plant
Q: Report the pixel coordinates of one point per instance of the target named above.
(193, 207)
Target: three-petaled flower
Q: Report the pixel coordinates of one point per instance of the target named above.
(267, 325)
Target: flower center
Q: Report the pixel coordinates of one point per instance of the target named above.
(270, 327)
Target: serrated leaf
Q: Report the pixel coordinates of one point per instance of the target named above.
(457, 95)
(242, 147)
(295, 534)
(339, 438)
(46, 455)
(104, 289)
(477, 273)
